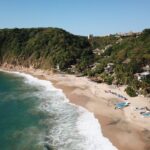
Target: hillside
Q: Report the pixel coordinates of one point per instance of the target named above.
(126, 60)
(118, 59)
(43, 47)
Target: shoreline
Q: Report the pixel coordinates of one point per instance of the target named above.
(119, 126)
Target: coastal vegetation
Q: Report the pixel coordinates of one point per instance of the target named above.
(121, 59)
(130, 91)
(44, 48)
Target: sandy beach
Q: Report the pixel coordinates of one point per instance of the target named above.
(127, 129)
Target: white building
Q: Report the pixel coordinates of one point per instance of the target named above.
(90, 36)
(142, 75)
(109, 68)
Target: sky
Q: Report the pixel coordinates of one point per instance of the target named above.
(81, 17)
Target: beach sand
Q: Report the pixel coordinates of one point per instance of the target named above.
(125, 128)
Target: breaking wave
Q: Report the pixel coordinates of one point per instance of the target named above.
(68, 126)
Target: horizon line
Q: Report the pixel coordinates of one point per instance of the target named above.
(44, 27)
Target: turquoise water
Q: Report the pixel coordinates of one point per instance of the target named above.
(36, 116)
(19, 120)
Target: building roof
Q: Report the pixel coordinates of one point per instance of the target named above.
(147, 68)
(145, 73)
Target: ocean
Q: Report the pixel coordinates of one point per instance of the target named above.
(34, 115)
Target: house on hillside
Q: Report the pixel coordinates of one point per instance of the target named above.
(73, 69)
(117, 35)
(93, 66)
(90, 36)
(109, 68)
(57, 67)
(119, 40)
(143, 75)
(98, 51)
(128, 34)
(108, 46)
(146, 68)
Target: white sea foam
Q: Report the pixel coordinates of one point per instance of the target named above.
(71, 127)
(89, 127)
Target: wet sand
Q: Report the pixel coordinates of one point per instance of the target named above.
(124, 135)
(126, 128)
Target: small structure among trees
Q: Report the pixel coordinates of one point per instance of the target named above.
(143, 75)
(109, 68)
(90, 36)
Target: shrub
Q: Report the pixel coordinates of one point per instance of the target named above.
(108, 80)
(130, 91)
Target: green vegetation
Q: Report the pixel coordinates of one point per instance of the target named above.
(113, 59)
(129, 54)
(130, 91)
(44, 48)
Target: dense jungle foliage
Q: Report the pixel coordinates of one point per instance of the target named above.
(43, 48)
(48, 48)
